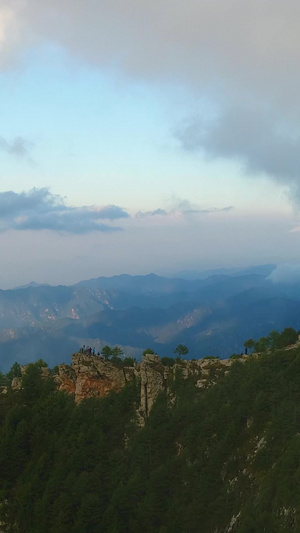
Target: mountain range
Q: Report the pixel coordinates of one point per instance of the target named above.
(212, 313)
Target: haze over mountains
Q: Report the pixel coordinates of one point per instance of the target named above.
(212, 313)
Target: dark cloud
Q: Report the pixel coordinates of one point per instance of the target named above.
(18, 147)
(38, 209)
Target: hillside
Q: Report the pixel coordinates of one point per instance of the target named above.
(216, 450)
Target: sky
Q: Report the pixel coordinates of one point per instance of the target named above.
(143, 136)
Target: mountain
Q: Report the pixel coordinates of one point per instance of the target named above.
(214, 315)
(32, 284)
(264, 270)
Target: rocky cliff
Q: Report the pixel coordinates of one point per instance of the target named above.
(93, 376)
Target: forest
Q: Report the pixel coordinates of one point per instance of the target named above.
(220, 459)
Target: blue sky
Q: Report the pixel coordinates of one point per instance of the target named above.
(142, 137)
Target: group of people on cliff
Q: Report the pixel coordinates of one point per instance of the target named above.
(87, 350)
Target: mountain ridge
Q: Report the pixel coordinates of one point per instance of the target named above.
(212, 315)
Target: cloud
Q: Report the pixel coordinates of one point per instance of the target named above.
(259, 139)
(247, 43)
(111, 212)
(286, 273)
(156, 212)
(18, 147)
(185, 207)
(182, 207)
(38, 209)
(242, 58)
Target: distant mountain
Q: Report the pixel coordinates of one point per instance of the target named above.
(263, 270)
(149, 284)
(32, 284)
(214, 315)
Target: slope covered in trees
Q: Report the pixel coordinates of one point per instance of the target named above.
(226, 458)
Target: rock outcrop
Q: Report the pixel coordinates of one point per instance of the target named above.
(155, 377)
(93, 376)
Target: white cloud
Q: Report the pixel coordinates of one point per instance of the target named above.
(182, 207)
(286, 273)
(241, 56)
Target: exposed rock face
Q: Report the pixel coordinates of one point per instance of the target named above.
(93, 376)
(154, 379)
(16, 384)
(90, 376)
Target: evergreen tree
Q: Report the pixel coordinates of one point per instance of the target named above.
(106, 351)
(181, 350)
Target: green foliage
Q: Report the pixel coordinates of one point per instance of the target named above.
(203, 456)
(117, 360)
(262, 345)
(115, 356)
(65, 460)
(168, 361)
(34, 384)
(106, 351)
(116, 351)
(41, 364)
(250, 343)
(275, 340)
(148, 351)
(181, 350)
(287, 337)
(3, 379)
(129, 361)
(15, 372)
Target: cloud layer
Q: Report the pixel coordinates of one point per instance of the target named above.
(182, 207)
(38, 209)
(18, 147)
(241, 57)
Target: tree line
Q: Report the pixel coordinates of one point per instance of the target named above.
(274, 341)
